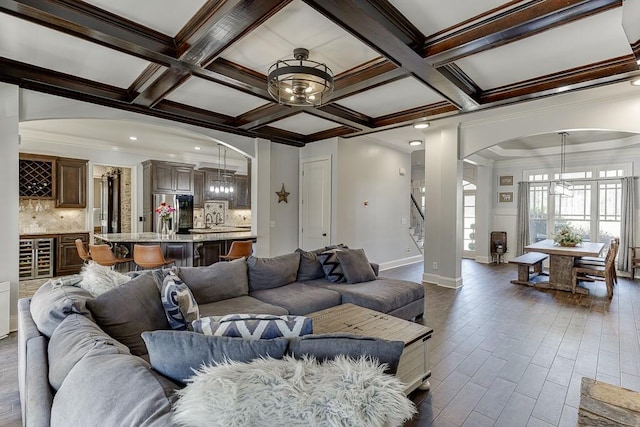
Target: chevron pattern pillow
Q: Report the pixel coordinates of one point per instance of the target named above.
(331, 266)
(178, 302)
(254, 326)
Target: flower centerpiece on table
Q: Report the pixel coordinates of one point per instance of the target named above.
(567, 236)
(164, 211)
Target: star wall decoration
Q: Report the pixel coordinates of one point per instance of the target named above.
(282, 195)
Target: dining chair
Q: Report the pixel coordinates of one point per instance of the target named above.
(596, 272)
(600, 261)
(150, 256)
(635, 261)
(238, 249)
(82, 252)
(102, 254)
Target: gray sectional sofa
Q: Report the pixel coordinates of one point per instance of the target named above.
(82, 360)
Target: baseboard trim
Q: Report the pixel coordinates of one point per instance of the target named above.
(445, 282)
(400, 262)
(483, 260)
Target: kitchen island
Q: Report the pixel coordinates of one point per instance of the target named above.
(189, 250)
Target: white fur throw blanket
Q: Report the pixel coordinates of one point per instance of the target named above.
(99, 279)
(290, 392)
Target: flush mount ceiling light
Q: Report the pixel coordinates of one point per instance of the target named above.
(415, 142)
(421, 125)
(300, 82)
(133, 138)
(636, 82)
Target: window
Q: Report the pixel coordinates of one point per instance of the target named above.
(469, 217)
(595, 208)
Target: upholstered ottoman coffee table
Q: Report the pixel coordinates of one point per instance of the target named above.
(413, 368)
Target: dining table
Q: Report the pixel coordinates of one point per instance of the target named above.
(561, 261)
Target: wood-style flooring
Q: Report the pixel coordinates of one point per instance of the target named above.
(501, 354)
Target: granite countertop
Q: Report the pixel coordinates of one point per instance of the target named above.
(186, 238)
(52, 232)
(219, 229)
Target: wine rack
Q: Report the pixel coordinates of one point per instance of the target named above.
(36, 178)
(36, 258)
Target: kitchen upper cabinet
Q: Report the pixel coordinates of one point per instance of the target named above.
(36, 176)
(165, 177)
(242, 193)
(198, 189)
(71, 183)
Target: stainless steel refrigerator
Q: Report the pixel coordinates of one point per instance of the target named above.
(182, 219)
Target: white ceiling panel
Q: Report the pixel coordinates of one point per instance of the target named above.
(397, 96)
(555, 50)
(297, 25)
(165, 16)
(431, 16)
(214, 97)
(304, 124)
(630, 19)
(26, 42)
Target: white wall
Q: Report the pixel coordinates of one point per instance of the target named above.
(368, 172)
(284, 216)
(9, 118)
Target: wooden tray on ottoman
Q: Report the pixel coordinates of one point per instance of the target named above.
(413, 368)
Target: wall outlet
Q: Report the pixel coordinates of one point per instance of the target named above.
(435, 265)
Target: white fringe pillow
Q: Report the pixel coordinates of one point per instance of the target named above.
(99, 279)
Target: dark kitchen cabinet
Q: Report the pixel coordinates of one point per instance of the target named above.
(207, 253)
(168, 178)
(198, 189)
(71, 183)
(67, 259)
(242, 193)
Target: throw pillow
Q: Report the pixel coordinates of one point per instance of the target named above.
(329, 346)
(130, 309)
(178, 302)
(331, 266)
(99, 279)
(74, 339)
(254, 326)
(53, 301)
(269, 273)
(290, 392)
(217, 282)
(310, 267)
(178, 354)
(355, 266)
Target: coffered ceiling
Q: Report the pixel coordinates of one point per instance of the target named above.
(396, 62)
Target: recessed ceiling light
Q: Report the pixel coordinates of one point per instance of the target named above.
(133, 138)
(636, 82)
(415, 142)
(421, 125)
(196, 148)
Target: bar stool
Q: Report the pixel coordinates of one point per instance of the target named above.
(82, 252)
(238, 249)
(102, 254)
(150, 256)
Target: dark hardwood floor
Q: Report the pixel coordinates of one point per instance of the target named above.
(501, 354)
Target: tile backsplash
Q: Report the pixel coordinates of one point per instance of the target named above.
(233, 217)
(41, 216)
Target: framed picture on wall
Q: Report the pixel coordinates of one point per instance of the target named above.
(505, 180)
(506, 197)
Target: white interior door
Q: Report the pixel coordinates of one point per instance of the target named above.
(315, 203)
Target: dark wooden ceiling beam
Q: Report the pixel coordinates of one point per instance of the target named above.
(329, 133)
(339, 114)
(353, 16)
(82, 20)
(514, 24)
(282, 136)
(409, 116)
(238, 77)
(368, 76)
(217, 25)
(604, 72)
(264, 115)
